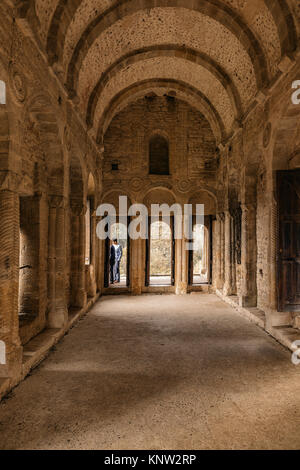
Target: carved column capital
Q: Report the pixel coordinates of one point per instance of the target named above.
(56, 202)
(77, 207)
(248, 207)
(220, 217)
(10, 181)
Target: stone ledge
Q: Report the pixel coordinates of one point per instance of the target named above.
(252, 314)
(285, 335)
(37, 349)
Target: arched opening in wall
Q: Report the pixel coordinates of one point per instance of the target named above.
(28, 259)
(77, 248)
(286, 167)
(118, 255)
(200, 256)
(117, 247)
(200, 262)
(40, 217)
(161, 254)
(90, 239)
(160, 243)
(89, 226)
(159, 155)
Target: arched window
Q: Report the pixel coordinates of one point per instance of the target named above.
(159, 156)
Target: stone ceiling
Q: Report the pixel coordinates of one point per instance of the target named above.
(216, 54)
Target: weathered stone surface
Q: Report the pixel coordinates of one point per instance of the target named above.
(88, 84)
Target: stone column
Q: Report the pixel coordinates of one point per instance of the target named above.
(220, 252)
(179, 255)
(9, 284)
(78, 284)
(184, 265)
(233, 257)
(137, 266)
(205, 258)
(227, 290)
(95, 254)
(58, 312)
(248, 295)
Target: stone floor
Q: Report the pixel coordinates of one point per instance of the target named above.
(158, 372)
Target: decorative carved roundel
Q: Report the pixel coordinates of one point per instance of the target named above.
(184, 186)
(267, 135)
(18, 83)
(136, 184)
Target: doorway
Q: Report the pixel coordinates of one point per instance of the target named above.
(288, 273)
(160, 254)
(119, 232)
(200, 259)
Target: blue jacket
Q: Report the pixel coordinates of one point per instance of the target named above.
(116, 253)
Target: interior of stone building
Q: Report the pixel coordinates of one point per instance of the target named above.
(178, 102)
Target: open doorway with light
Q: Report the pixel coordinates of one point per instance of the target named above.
(117, 257)
(160, 254)
(200, 256)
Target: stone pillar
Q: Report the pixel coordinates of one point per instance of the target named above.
(205, 262)
(78, 284)
(233, 257)
(248, 295)
(180, 288)
(9, 284)
(227, 290)
(220, 252)
(58, 312)
(137, 270)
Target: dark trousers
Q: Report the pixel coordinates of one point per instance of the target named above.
(115, 272)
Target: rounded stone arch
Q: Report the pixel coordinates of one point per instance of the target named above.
(163, 86)
(159, 195)
(7, 122)
(203, 196)
(66, 10)
(43, 118)
(170, 50)
(225, 15)
(112, 197)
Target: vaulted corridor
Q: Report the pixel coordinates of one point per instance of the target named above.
(158, 372)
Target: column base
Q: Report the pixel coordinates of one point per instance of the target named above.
(247, 301)
(58, 319)
(181, 288)
(81, 298)
(297, 322)
(227, 290)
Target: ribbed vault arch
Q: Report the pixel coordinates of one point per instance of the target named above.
(168, 50)
(190, 94)
(214, 9)
(65, 10)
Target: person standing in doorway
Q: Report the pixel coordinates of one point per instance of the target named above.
(116, 253)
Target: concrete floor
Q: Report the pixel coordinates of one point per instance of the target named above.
(158, 372)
